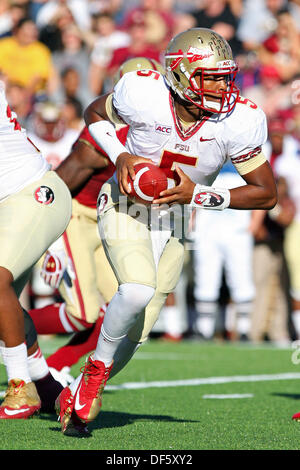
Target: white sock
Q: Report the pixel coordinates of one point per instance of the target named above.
(243, 313)
(296, 321)
(243, 325)
(74, 385)
(15, 361)
(206, 318)
(37, 366)
(106, 347)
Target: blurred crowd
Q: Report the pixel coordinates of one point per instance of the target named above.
(57, 55)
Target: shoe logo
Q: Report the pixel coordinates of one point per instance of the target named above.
(78, 405)
(206, 140)
(15, 412)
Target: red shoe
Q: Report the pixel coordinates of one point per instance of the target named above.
(70, 423)
(296, 417)
(21, 400)
(88, 397)
(64, 405)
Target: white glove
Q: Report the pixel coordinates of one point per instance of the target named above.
(53, 268)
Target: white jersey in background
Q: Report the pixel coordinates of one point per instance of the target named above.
(20, 161)
(142, 99)
(55, 152)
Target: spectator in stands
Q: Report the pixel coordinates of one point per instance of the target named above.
(54, 9)
(20, 101)
(74, 55)
(10, 15)
(138, 47)
(108, 39)
(282, 49)
(72, 112)
(51, 33)
(294, 9)
(27, 61)
(258, 21)
(158, 18)
(182, 22)
(217, 15)
(269, 93)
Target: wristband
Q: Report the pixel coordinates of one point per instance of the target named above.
(104, 133)
(207, 197)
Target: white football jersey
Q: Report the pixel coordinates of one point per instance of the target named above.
(143, 100)
(20, 161)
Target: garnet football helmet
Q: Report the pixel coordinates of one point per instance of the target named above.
(203, 52)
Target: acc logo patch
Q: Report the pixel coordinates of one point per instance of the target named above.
(101, 203)
(44, 195)
(161, 129)
(208, 199)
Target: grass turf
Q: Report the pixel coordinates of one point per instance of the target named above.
(170, 418)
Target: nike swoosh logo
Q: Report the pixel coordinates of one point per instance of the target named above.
(78, 405)
(15, 412)
(205, 140)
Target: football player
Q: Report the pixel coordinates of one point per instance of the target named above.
(35, 210)
(191, 119)
(76, 264)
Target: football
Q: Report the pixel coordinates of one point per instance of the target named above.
(149, 181)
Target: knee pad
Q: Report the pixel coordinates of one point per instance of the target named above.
(30, 331)
(137, 295)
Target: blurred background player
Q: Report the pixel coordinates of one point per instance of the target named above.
(283, 151)
(35, 210)
(223, 241)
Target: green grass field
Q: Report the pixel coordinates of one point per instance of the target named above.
(164, 410)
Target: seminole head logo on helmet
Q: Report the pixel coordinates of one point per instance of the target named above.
(194, 56)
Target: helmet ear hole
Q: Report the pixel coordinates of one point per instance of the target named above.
(177, 76)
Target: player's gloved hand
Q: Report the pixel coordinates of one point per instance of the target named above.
(124, 167)
(53, 268)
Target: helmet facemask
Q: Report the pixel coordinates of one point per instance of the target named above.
(204, 53)
(200, 96)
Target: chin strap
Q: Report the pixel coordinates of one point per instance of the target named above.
(206, 197)
(211, 104)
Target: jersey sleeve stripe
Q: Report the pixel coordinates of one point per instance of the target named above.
(250, 164)
(111, 112)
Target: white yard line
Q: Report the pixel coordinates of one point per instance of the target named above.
(201, 381)
(205, 381)
(233, 395)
